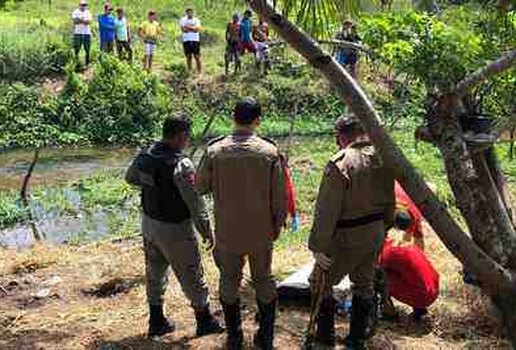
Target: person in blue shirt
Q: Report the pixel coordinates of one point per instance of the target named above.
(246, 37)
(107, 29)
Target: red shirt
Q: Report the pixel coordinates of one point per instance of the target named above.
(403, 199)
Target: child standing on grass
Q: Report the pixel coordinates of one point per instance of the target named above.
(150, 32)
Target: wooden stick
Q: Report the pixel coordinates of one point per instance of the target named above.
(4, 290)
(203, 135)
(25, 200)
(346, 44)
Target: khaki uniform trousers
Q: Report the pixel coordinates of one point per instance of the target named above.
(173, 245)
(231, 266)
(356, 253)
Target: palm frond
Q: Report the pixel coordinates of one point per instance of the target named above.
(321, 17)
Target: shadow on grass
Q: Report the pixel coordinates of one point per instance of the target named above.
(114, 286)
(140, 343)
(31, 339)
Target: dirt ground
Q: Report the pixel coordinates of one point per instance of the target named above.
(93, 297)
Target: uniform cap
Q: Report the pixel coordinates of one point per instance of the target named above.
(83, 3)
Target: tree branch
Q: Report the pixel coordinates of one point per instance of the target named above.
(500, 65)
(24, 198)
(494, 277)
(346, 45)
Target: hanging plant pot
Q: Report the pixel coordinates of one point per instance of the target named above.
(477, 131)
(477, 124)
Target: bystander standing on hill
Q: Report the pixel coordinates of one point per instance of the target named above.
(82, 18)
(150, 32)
(246, 38)
(191, 27)
(233, 42)
(261, 38)
(107, 29)
(348, 57)
(123, 36)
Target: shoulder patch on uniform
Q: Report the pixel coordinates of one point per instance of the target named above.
(215, 140)
(269, 140)
(338, 156)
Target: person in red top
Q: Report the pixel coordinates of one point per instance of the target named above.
(405, 205)
(410, 276)
(233, 43)
(261, 39)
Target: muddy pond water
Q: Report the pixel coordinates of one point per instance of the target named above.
(58, 174)
(54, 171)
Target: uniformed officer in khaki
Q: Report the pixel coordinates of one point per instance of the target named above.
(354, 208)
(244, 172)
(171, 205)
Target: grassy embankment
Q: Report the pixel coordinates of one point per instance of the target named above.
(99, 300)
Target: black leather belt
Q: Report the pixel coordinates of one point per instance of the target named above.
(364, 220)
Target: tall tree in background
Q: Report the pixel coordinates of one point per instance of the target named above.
(489, 251)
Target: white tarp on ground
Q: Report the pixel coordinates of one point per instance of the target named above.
(296, 287)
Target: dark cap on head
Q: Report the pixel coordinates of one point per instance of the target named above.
(246, 111)
(402, 219)
(349, 125)
(176, 124)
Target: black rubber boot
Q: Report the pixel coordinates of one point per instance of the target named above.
(360, 315)
(158, 324)
(206, 323)
(235, 336)
(325, 334)
(264, 338)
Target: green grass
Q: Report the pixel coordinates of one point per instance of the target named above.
(54, 21)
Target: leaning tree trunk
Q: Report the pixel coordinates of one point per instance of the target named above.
(495, 278)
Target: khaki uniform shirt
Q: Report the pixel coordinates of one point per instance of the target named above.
(245, 174)
(355, 185)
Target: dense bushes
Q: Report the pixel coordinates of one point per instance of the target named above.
(120, 105)
(27, 53)
(24, 118)
(285, 86)
(430, 51)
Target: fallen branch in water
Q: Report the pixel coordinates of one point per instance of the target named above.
(25, 201)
